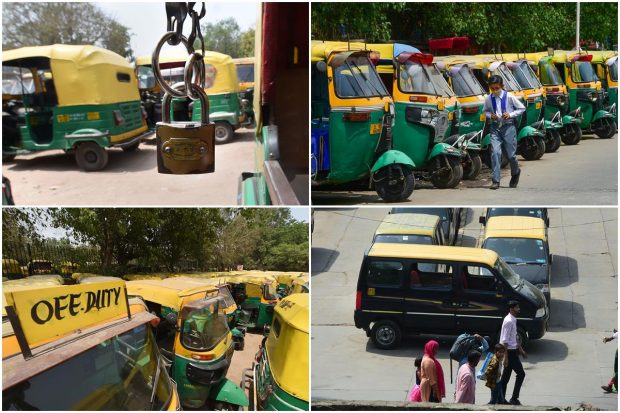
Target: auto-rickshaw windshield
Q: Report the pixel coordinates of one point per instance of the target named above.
(465, 84)
(117, 374)
(17, 81)
(146, 78)
(415, 77)
(583, 72)
(518, 250)
(510, 83)
(203, 325)
(613, 70)
(270, 292)
(549, 75)
(227, 296)
(356, 77)
(509, 275)
(525, 77)
(245, 72)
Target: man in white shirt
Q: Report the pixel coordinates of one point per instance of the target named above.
(508, 338)
(612, 386)
(503, 109)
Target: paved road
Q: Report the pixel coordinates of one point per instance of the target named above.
(53, 178)
(584, 174)
(567, 366)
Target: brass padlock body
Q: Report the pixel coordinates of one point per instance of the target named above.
(185, 148)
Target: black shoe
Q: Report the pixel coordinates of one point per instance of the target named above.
(514, 181)
(495, 185)
(607, 389)
(515, 402)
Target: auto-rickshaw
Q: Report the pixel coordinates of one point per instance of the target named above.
(352, 123)
(12, 269)
(68, 268)
(530, 140)
(606, 66)
(426, 112)
(285, 281)
(585, 92)
(255, 295)
(80, 99)
(195, 336)
(556, 97)
(36, 267)
(301, 285)
(533, 89)
(60, 354)
(245, 73)
(279, 380)
(222, 87)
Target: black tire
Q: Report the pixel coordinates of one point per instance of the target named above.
(399, 188)
(451, 171)
(572, 136)
(223, 132)
(535, 150)
(132, 148)
(8, 158)
(608, 129)
(91, 157)
(522, 337)
(385, 334)
(472, 166)
(554, 139)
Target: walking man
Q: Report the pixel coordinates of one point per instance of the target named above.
(508, 338)
(503, 109)
(612, 386)
(465, 390)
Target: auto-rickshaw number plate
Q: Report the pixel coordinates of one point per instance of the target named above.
(482, 117)
(375, 128)
(538, 105)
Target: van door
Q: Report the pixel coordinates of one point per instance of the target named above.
(383, 293)
(481, 303)
(429, 296)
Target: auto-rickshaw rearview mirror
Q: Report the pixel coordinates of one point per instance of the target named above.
(321, 66)
(171, 318)
(266, 330)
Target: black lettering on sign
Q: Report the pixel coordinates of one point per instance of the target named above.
(71, 304)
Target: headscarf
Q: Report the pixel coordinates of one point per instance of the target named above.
(430, 349)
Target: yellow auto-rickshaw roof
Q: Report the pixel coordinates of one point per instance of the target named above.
(301, 280)
(244, 60)
(83, 74)
(29, 283)
(285, 278)
(515, 227)
(167, 292)
(434, 252)
(288, 352)
(408, 224)
(251, 278)
(180, 57)
(601, 56)
(321, 50)
(536, 56)
(98, 279)
(78, 276)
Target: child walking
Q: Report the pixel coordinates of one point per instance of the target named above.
(494, 375)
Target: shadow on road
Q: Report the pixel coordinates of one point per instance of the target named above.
(566, 315)
(340, 198)
(322, 259)
(543, 350)
(564, 271)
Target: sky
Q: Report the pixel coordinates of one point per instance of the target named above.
(147, 21)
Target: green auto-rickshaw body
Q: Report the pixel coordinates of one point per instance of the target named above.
(585, 93)
(606, 66)
(75, 98)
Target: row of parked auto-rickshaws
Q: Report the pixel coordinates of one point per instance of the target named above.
(155, 343)
(387, 112)
(86, 99)
(413, 281)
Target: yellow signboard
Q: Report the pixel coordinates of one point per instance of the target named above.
(54, 311)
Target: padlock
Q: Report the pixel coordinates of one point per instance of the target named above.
(185, 147)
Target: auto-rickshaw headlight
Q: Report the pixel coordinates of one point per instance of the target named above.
(593, 96)
(560, 100)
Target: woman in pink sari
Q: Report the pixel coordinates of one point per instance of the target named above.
(432, 385)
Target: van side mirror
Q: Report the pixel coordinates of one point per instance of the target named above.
(482, 220)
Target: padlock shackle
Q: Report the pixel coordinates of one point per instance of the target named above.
(204, 102)
(155, 62)
(196, 60)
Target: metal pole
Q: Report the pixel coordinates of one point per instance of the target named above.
(577, 44)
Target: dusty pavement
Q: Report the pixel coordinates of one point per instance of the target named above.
(243, 359)
(53, 178)
(566, 367)
(583, 174)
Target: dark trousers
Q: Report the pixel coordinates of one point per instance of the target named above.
(514, 363)
(497, 394)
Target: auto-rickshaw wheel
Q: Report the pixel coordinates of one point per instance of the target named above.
(224, 406)
(223, 132)
(573, 135)
(91, 157)
(472, 166)
(554, 139)
(446, 171)
(394, 183)
(131, 148)
(608, 129)
(532, 150)
(385, 334)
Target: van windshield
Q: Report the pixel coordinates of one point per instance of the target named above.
(117, 374)
(518, 250)
(356, 77)
(404, 239)
(522, 212)
(508, 274)
(204, 325)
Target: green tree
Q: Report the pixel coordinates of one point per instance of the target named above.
(246, 43)
(37, 24)
(222, 36)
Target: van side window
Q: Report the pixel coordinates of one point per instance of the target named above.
(478, 278)
(431, 275)
(385, 274)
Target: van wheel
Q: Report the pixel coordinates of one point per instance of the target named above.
(223, 132)
(385, 334)
(91, 157)
(522, 337)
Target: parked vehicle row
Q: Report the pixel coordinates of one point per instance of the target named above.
(388, 114)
